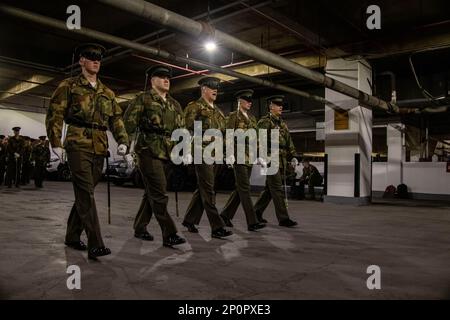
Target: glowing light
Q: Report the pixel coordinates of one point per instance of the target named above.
(210, 46)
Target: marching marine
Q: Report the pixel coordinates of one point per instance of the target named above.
(204, 197)
(152, 117)
(242, 119)
(273, 189)
(89, 108)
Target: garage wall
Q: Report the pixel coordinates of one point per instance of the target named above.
(424, 179)
(420, 177)
(379, 176)
(33, 125)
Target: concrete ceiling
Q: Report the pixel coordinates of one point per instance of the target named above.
(34, 58)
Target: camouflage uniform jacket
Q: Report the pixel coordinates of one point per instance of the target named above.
(286, 145)
(237, 120)
(210, 116)
(150, 120)
(76, 102)
(41, 153)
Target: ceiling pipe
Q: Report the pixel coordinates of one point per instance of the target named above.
(174, 66)
(50, 22)
(114, 57)
(173, 20)
(200, 16)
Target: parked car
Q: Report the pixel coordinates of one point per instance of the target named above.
(179, 178)
(58, 171)
(121, 172)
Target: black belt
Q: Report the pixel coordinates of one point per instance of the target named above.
(88, 125)
(158, 132)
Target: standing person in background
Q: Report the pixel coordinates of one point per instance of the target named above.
(14, 151)
(2, 158)
(26, 161)
(41, 157)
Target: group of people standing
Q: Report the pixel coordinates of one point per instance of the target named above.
(23, 158)
(89, 108)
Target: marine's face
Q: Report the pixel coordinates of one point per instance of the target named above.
(91, 66)
(16, 133)
(209, 94)
(276, 109)
(161, 83)
(306, 165)
(245, 105)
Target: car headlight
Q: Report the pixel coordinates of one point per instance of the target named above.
(123, 165)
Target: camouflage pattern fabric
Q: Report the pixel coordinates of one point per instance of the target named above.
(75, 101)
(151, 120)
(286, 145)
(211, 118)
(237, 120)
(199, 110)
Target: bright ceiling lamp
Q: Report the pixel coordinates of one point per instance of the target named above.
(210, 46)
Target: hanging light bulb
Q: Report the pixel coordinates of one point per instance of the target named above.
(210, 46)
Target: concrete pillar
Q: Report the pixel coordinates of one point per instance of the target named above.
(396, 154)
(348, 136)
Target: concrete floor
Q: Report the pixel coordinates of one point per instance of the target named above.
(326, 257)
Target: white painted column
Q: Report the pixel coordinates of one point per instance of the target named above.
(395, 154)
(342, 145)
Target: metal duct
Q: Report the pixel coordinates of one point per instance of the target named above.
(171, 19)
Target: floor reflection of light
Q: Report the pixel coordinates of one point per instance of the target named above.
(170, 260)
(231, 249)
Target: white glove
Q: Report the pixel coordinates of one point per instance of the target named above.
(122, 150)
(187, 159)
(261, 162)
(58, 152)
(294, 162)
(230, 160)
(263, 171)
(16, 155)
(130, 160)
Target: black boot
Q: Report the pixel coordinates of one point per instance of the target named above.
(77, 245)
(221, 233)
(287, 223)
(256, 226)
(191, 227)
(144, 236)
(93, 253)
(173, 240)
